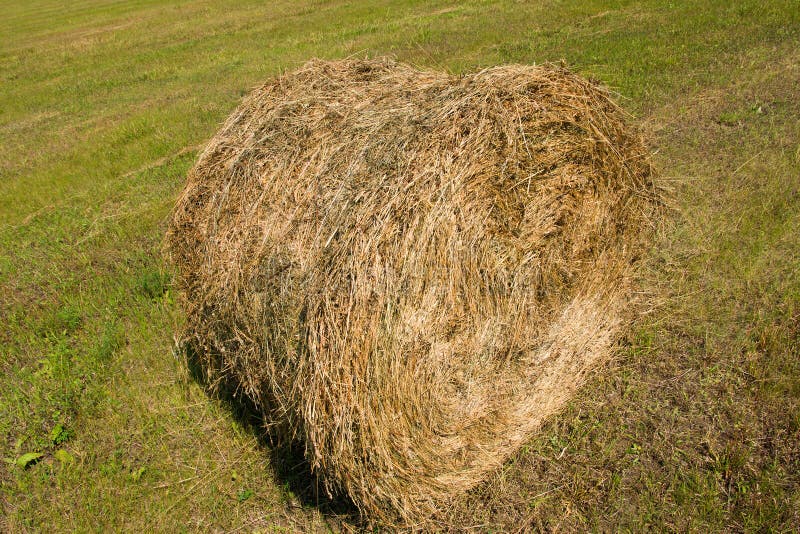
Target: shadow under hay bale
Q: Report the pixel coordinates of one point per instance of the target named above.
(406, 271)
(287, 459)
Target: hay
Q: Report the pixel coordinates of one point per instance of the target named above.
(407, 271)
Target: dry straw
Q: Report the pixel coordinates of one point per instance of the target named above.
(408, 271)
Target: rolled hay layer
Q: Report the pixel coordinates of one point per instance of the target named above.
(408, 271)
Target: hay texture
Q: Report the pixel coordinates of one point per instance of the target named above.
(408, 271)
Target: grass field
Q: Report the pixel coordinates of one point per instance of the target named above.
(103, 106)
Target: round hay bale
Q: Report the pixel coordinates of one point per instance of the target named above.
(408, 271)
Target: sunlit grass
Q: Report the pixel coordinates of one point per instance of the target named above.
(103, 106)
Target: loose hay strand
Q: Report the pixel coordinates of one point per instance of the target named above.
(408, 271)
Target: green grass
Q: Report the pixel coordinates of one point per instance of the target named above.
(103, 106)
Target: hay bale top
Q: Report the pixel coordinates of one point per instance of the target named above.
(407, 271)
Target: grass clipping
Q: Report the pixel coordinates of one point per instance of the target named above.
(408, 271)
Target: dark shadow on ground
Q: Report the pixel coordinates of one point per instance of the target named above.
(288, 460)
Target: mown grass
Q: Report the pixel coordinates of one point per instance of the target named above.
(102, 107)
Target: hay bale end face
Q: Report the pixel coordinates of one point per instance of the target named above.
(408, 271)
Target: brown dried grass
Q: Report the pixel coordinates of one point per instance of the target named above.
(407, 271)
